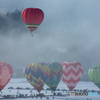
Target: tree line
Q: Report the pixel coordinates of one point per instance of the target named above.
(11, 21)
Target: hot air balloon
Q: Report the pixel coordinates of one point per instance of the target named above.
(32, 17)
(55, 75)
(72, 73)
(36, 74)
(6, 72)
(94, 75)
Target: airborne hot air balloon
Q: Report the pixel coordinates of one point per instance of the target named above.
(6, 72)
(55, 75)
(36, 74)
(32, 17)
(94, 75)
(72, 73)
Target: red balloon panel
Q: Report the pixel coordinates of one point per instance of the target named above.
(6, 72)
(32, 17)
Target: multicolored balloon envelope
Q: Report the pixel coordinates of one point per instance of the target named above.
(72, 73)
(37, 74)
(94, 75)
(55, 75)
(6, 72)
(32, 17)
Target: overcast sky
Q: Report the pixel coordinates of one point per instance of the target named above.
(70, 31)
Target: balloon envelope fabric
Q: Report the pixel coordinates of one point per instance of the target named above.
(94, 75)
(36, 74)
(55, 75)
(72, 73)
(6, 72)
(32, 17)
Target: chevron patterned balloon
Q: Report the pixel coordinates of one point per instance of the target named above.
(37, 74)
(72, 73)
(55, 75)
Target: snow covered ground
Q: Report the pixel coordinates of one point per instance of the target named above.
(22, 83)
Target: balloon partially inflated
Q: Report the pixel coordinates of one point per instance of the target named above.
(94, 75)
(37, 74)
(6, 72)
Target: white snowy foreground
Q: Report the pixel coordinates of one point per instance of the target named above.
(22, 83)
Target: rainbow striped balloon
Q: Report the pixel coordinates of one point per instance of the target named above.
(37, 74)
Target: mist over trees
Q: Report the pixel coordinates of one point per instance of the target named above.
(11, 22)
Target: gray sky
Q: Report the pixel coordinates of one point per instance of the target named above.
(70, 32)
